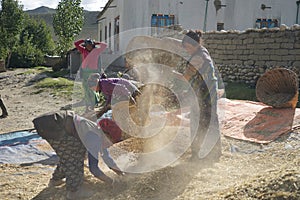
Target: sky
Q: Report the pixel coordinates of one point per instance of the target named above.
(91, 5)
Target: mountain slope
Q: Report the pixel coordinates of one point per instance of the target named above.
(41, 10)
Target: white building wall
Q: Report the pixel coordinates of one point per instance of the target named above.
(288, 9)
(242, 14)
(192, 14)
(135, 15)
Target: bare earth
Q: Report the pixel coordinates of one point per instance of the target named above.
(245, 171)
(18, 94)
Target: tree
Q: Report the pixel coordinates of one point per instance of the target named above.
(35, 41)
(67, 23)
(40, 35)
(11, 19)
(27, 54)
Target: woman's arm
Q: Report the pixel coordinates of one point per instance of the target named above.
(103, 110)
(102, 46)
(110, 162)
(95, 170)
(78, 45)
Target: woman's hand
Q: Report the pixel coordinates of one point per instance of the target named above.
(105, 179)
(120, 173)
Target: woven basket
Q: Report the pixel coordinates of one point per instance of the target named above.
(278, 88)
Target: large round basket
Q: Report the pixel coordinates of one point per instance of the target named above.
(278, 88)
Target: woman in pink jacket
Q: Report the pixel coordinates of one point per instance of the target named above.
(91, 63)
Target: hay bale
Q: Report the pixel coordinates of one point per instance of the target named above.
(278, 88)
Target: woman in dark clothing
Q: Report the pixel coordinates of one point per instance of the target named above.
(71, 136)
(200, 73)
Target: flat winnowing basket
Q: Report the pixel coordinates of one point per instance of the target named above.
(278, 88)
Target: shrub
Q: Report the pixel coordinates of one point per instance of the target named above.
(26, 56)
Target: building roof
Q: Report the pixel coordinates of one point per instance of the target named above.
(105, 8)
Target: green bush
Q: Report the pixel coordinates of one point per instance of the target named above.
(3, 53)
(26, 56)
(243, 91)
(34, 43)
(240, 91)
(39, 35)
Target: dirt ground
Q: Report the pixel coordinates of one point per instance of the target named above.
(245, 171)
(18, 94)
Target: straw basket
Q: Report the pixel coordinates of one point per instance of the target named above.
(278, 88)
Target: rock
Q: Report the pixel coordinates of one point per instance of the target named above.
(283, 27)
(295, 27)
(288, 147)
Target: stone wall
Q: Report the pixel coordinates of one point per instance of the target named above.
(244, 56)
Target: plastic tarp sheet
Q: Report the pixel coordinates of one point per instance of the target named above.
(255, 121)
(25, 147)
(248, 120)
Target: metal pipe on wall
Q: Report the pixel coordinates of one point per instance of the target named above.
(205, 15)
(297, 14)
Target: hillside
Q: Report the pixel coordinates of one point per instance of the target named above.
(90, 21)
(41, 10)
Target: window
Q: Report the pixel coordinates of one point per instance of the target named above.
(105, 33)
(266, 23)
(160, 21)
(220, 26)
(116, 33)
(109, 35)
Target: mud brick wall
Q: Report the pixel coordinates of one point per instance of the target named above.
(245, 56)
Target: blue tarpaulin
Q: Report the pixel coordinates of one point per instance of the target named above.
(25, 147)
